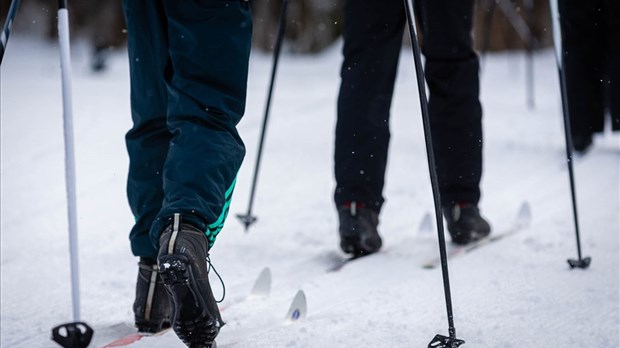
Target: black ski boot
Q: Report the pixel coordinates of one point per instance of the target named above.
(183, 254)
(358, 230)
(465, 223)
(152, 307)
(582, 143)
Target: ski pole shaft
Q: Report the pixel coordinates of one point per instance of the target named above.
(76, 334)
(431, 164)
(557, 42)
(529, 64)
(6, 29)
(65, 67)
(248, 219)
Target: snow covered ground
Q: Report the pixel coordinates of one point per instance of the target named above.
(515, 293)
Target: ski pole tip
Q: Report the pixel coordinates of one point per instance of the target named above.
(581, 263)
(247, 220)
(440, 341)
(73, 335)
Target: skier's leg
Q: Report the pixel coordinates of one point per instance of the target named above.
(583, 43)
(147, 145)
(456, 116)
(148, 139)
(372, 41)
(613, 57)
(209, 46)
(455, 113)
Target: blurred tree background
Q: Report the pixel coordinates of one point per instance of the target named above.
(312, 25)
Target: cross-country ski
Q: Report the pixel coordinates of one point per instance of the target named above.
(125, 334)
(522, 220)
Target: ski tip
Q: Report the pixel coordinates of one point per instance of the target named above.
(426, 225)
(262, 285)
(298, 308)
(524, 216)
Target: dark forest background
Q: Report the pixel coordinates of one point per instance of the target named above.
(312, 25)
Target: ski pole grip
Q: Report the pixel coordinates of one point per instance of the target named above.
(73, 335)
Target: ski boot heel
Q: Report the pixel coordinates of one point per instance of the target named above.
(174, 270)
(192, 321)
(152, 326)
(152, 305)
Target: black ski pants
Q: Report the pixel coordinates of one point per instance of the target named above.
(591, 53)
(188, 68)
(373, 35)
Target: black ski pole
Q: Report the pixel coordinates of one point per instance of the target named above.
(6, 29)
(557, 43)
(529, 51)
(439, 341)
(248, 219)
(76, 334)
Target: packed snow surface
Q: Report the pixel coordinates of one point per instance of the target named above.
(518, 292)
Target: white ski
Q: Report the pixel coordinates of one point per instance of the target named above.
(523, 219)
(125, 334)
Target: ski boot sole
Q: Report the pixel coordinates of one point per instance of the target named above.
(357, 247)
(151, 326)
(192, 322)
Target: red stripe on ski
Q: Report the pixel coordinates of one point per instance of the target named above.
(127, 340)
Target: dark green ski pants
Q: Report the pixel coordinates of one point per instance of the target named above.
(188, 67)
